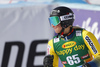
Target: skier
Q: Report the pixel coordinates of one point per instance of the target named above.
(75, 46)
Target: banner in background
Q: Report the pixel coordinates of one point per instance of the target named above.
(71, 1)
(89, 20)
(24, 33)
(96, 2)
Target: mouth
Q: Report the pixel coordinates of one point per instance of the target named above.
(54, 27)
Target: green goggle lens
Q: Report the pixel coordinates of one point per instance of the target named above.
(54, 20)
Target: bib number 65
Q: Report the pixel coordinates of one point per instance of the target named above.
(74, 59)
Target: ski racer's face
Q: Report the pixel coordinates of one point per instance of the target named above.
(57, 28)
(55, 23)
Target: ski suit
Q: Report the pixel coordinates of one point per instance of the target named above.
(74, 49)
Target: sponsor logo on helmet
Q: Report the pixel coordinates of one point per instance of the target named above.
(55, 11)
(91, 44)
(67, 17)
(69, 44)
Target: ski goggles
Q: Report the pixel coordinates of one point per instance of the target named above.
(54, 20)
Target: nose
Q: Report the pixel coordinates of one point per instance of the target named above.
(52, 25)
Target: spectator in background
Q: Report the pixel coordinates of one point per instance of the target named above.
(95, 2)
(76, 47)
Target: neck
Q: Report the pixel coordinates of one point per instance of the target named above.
(67, 30)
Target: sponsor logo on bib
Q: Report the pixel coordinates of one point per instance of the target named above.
(69, 44)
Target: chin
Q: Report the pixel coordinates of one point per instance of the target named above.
(57, 32)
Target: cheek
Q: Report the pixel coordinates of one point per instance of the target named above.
(58, 30)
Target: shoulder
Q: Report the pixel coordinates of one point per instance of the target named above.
(77, 28)
(81, 29)
(50, 42)
(55, 39)
(87, 33)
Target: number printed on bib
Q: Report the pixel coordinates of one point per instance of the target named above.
(74, 59)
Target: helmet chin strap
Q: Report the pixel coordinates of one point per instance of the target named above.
(62, 32)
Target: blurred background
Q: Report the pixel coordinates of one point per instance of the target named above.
(25, 29)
